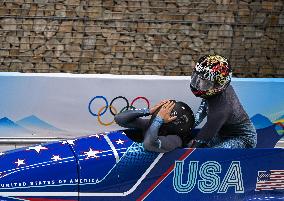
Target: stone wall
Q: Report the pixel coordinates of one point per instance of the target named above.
(141, 36)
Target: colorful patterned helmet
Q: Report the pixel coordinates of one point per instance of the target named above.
(211, 75)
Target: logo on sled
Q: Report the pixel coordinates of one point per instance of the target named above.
(270, 180)
(209, 181)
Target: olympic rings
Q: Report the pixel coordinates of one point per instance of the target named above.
(141, 97)
(126, 108)
(102, 110)
(96, 97)
(99, 116)
(127, 104)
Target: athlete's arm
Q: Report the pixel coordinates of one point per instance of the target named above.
(215, 121)
(153, 142)
(201, 112)
(131, 119)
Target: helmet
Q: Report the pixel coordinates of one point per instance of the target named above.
(211, 75)
(181, 126)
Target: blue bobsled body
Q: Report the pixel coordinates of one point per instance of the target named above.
(109, 166)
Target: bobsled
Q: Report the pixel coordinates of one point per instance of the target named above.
(111, 166)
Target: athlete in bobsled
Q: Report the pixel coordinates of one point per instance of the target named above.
(168, 128)
(228, 125)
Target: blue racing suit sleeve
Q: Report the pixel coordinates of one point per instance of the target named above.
(153, 142)
(201, 113)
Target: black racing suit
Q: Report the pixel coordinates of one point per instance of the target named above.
(228, 125)
(151, 140)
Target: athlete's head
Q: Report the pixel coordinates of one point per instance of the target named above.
(211, 75)
(182, 125)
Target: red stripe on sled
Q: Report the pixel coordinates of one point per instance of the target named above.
(160, 179)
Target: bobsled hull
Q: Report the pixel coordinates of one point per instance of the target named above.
(109, 166)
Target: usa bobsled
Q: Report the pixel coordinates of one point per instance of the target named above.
(110, 166)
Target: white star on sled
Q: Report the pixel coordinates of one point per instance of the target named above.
(20, 162)
(91, 154)
(119, 141)
(38, 148)
(71, 142)
(56, 158)
(96, 135)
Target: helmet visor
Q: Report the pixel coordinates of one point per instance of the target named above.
(200, 83)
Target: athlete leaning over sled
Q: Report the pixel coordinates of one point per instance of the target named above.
(169, 127)
(228, 125)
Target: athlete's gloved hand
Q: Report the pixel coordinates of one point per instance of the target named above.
(157, 106)
(165, 112)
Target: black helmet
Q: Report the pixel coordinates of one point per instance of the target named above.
(181, 126)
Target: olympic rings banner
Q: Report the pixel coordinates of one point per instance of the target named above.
(112, 108)
(67, 105)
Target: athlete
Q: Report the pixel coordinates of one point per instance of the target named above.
(228, 125)
(169, 127)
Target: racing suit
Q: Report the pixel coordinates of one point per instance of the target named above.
(228, 125)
